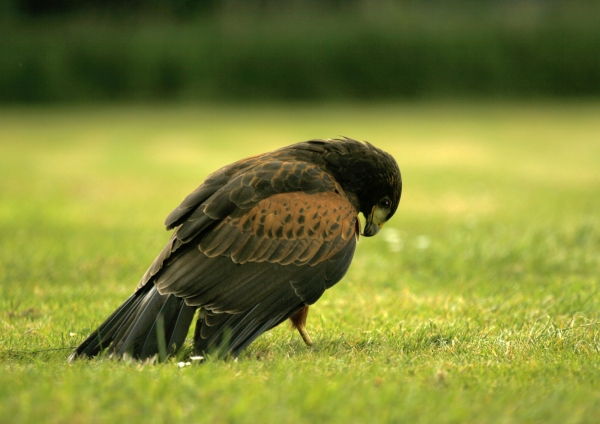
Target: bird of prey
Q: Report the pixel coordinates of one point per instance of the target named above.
(255, 244)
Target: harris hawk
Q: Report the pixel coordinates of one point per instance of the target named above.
(255, 244)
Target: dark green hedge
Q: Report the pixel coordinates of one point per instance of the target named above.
(304, 58)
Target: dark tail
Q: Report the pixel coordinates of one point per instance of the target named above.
(145, 325)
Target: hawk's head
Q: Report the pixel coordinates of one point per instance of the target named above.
(367, 174)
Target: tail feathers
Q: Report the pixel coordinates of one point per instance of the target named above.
(145, 325)
(233, 333)
(173, 323)
(103, 336)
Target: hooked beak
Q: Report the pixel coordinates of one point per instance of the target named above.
(375, 221)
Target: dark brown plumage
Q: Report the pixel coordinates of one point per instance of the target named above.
(257, 243)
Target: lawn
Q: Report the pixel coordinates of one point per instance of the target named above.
(479, 301)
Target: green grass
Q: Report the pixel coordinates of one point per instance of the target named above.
(477, 303)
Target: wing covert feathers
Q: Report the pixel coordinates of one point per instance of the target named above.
(288, 228)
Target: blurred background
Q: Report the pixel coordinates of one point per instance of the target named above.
(110, 50)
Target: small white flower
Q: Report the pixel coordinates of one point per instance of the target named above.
(392, 237)
(423, 242)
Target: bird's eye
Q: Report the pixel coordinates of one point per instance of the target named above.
(385, 203)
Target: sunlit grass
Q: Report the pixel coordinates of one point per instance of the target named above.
(477, 303)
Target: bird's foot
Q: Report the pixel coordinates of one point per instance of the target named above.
(304, 334)
(298, 322)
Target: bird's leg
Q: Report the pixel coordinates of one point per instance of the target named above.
(298, 322)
